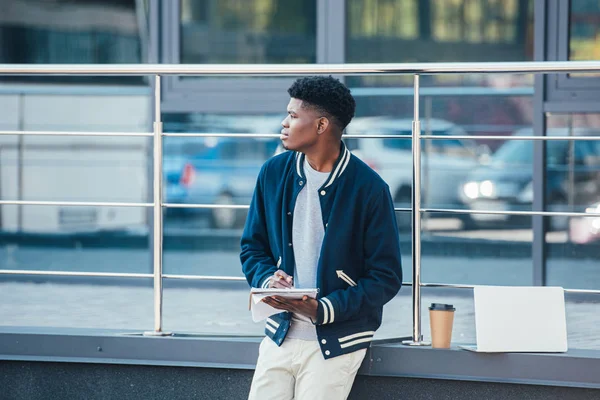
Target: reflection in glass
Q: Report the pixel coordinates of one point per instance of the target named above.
(215, 308)
(475, 256)
(445, 162)
(584, 30)
(74, 32)
(573, 168)
(76, 239)
(436, 31)
(82, 305)
(248, 31)
(214, 170)
(74, 168)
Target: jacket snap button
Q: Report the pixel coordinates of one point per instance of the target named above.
(322, 193)
(290, 244)
(324, 342)
(289, 213)
(327, 352)
(300, 183)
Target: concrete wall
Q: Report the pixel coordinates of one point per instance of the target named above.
(39, 380)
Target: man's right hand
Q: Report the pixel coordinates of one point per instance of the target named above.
(281, 280)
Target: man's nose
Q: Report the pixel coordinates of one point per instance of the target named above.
(284, 123)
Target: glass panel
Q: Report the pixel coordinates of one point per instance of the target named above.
(209, 308)
(248, 31)
(214, 170)
(584, 33)
(84, 239)
(74, 32)
(572, 185)
(582, 332)
(497, 251)
(436, 31)
(75, 168)
(584, 30)
(86, 304)
(450, 168)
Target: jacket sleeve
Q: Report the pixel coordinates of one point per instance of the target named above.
(256, 256)
(383, 278)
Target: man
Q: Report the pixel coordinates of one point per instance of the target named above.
(319, 218)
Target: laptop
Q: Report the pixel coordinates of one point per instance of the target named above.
(519, 319)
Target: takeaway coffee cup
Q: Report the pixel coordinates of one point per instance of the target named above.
(441, 317)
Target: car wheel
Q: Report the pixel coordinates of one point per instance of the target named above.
(403, 199)
(224, 218)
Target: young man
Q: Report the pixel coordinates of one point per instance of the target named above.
(320, 218)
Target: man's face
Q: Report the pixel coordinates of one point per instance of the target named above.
(299, 131)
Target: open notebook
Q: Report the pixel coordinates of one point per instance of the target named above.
(262, 310)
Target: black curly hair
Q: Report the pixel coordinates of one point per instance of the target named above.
(327, 95)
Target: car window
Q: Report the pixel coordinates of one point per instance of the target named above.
(396, 143)
(244, 150)
(521, 152)
(178, 146)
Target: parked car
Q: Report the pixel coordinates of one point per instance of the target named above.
(213, 171)
(505, 184)
(445, 163)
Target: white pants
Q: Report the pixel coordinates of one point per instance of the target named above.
(297, 370)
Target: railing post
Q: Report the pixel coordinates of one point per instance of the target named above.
(158, 215)
(417, 339)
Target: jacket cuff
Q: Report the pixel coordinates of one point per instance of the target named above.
(325, 312)
(265, 283)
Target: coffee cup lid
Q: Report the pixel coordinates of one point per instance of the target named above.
(441, 307)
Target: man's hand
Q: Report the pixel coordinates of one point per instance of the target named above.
(307, 306)
(281, 280)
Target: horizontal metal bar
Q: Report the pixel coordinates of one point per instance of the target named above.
(216, 278)
(277, 135)
(208, 206)
(443, 91)
(464, 286)
(74, 273)
(60, 133)
(300, 69)
(526, 213)
(72, 203)
(224, 135)
(95, 90)
(58, 89)
(405, 209)
(513, 137)
(385, 136)
(204, 277)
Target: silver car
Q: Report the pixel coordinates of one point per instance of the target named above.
(445, 163)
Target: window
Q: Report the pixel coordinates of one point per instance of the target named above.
(574, 24)
(584, 30)
(73, 32)
(248, 31)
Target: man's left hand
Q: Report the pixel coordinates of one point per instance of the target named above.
(306, 306)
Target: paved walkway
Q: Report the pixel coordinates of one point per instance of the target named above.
(225, 312)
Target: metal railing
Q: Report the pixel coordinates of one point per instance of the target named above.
(286, 70)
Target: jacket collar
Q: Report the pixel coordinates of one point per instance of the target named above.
(338, 168)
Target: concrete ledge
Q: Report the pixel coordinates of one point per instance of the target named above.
(577, 368)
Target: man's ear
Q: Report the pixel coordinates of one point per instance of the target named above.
(322, 125)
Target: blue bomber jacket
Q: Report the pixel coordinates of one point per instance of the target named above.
(359, 268)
